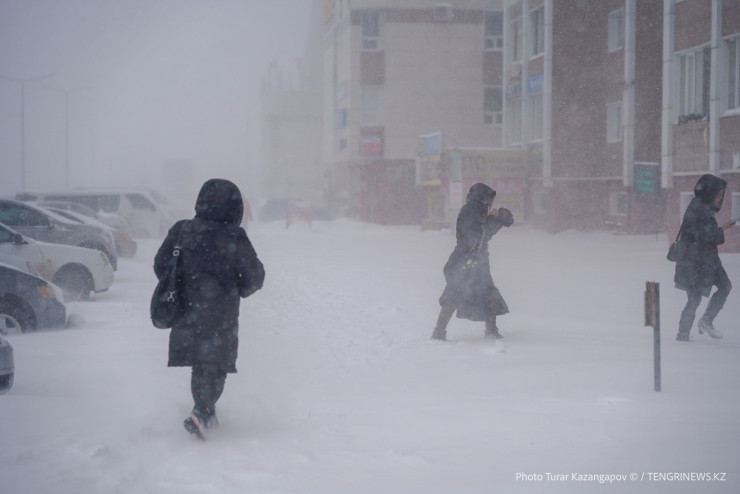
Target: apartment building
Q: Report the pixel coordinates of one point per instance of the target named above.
(292, 167)
(701, 104)
(582, 87)
(395, 70)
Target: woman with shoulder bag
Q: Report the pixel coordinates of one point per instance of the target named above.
(698, 266)
(217, 267)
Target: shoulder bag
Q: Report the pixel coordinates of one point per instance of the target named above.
(673, 249)
(166, 300)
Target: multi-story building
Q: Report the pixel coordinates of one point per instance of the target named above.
(398, 69)
(701, 104)
(582, 82)
(292, 165)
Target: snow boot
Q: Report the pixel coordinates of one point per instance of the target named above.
(439, 334)
(705, 326)
(684, 325)
(492, 329)
(195, 427)
(440, 330)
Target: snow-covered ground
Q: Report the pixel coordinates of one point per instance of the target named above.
(340, 390)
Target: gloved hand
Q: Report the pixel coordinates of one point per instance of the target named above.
(505, 216)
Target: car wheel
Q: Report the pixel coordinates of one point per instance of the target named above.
(75, 282)
(15, 318)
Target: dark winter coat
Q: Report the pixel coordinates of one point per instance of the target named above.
(470, 288)
(698, 264)
(217, 267)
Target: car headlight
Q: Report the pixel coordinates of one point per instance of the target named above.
(104, 258)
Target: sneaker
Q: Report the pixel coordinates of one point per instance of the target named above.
(439, 334)
(682, 337)
(195, 427)
(707, 327)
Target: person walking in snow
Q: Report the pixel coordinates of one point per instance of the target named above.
(217, 266)
(470, 289)
(698, 266)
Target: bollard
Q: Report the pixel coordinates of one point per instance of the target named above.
(652, 318)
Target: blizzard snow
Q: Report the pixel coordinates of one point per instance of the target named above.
(340, 390)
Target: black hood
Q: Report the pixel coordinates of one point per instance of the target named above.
(220, 201)
(708, 188)
(480, 193)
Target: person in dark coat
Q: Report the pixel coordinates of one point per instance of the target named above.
(698, 266)
(217, 267)
(470, 289)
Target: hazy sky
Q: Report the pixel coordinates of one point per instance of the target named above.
(136, 84)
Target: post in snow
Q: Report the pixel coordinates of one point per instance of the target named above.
(652, 318)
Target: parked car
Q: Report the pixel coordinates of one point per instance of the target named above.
(112, 220)
(44, 225)
(28, 302)
(77, 270)
(7, 365)
(145, 217)
(125, 245)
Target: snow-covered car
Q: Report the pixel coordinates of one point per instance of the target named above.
(77, 270)
(146, 218)
(111, 219)
(46, 226)
(7, 365)
(125, 245)
(28, 302)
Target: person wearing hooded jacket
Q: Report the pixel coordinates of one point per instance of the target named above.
(698, 266)
(469, 286)
(217, 267)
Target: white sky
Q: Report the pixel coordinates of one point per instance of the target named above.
(148, 81)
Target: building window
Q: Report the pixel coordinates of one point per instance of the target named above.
(733, 72)
(372, 105)
(370, 29)
(535, 116)
(735, 205)
(516, 40)
(614, 122)
(515, 120)
(693, 85)
(538, 31)
(340, 118)
(492, 105)
(616, 30)
(684, 202)
(494, 31)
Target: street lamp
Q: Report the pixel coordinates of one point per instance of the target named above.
(23, 82)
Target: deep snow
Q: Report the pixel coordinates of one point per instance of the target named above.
(340, 389)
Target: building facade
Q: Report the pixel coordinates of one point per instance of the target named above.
(583, 99)
(293, 168)
(395, 70)
(701, 104)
